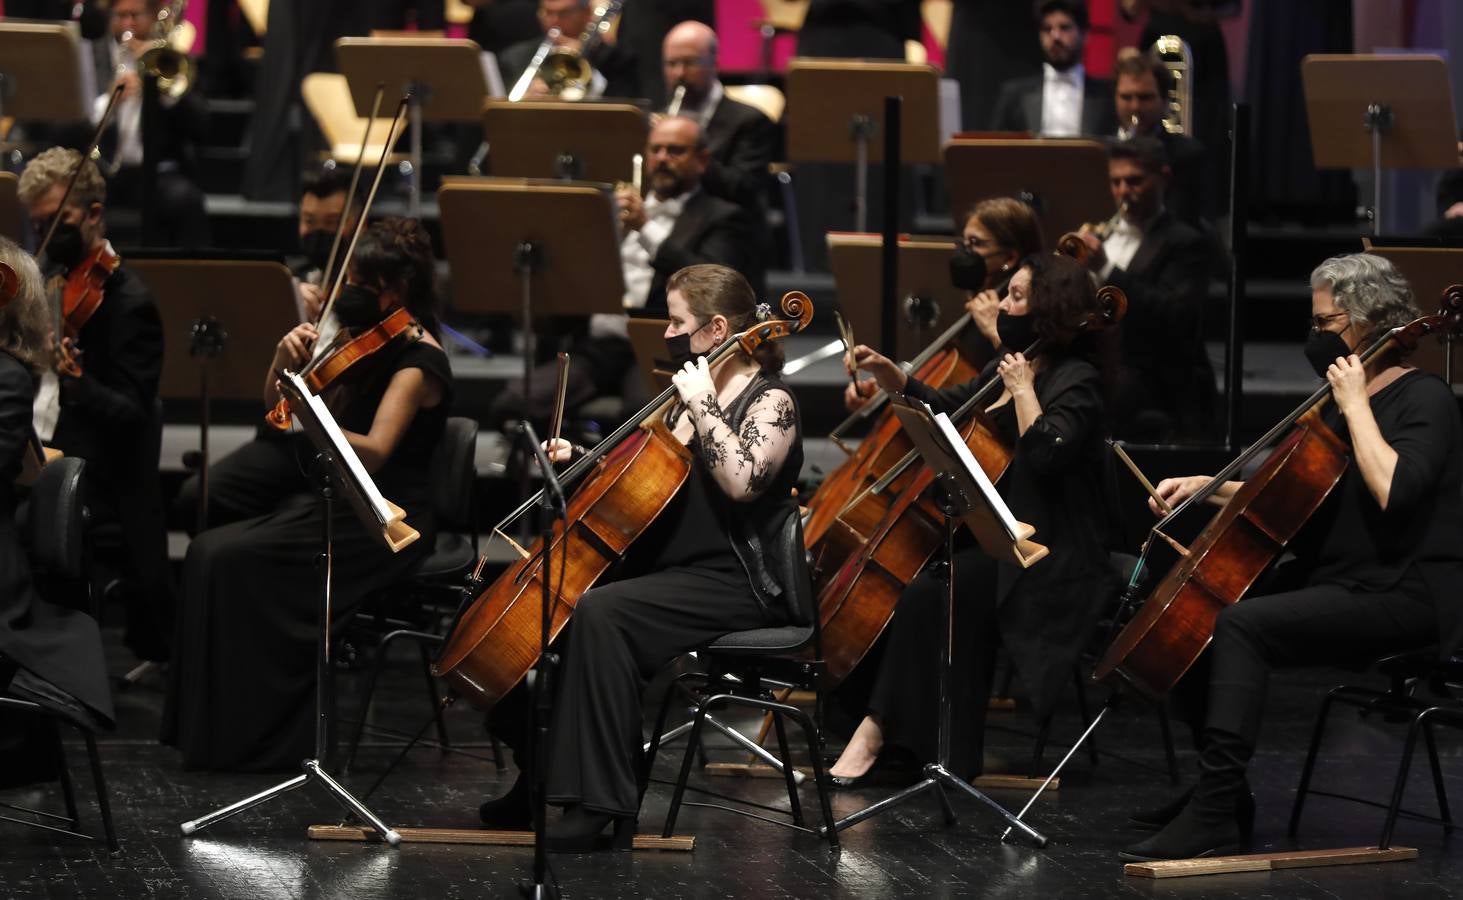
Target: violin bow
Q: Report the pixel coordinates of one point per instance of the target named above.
(350, 194)
(96, 138)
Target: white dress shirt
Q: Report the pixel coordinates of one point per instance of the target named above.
(1121, 246)
(1061, 101)
(637, 249)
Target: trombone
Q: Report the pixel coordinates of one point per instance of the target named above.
(565, 71)
(162, 59)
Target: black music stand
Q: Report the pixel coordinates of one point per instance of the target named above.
(1376, 111)
(337, 471)
(222, 319)
(967, 495)
(43, 72)
(531, 249)
(835, 110)
(445, 78)
(586, 141)
(647, 338)
(1064, 180)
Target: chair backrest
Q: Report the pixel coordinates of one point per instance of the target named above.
(454, 474)
(55, 518)
(767, 99)
(796, 577)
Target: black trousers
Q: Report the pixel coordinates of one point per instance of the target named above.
(251, 481)
(620, 635)
(905, 688)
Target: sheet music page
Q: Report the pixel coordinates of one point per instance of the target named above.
(962, 452)
(345, 452)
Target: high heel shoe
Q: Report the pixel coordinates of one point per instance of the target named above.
(510, 810)
(579, 831)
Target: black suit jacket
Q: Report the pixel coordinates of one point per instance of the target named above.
(709, 230)
(612, 61)
(1018, 106)
(1193, 193)
(742, 141)
(1166, 371)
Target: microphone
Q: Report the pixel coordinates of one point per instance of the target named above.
(551, 479)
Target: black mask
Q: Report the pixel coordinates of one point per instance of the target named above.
(357, 306)
(67, 248)
(967, 270)
(1017, 333)
(316, 246)
(679, 348)
(1323, 348)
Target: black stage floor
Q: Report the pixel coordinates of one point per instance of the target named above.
(263, 853)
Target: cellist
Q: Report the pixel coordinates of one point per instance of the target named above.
(1377, 567)
(103, 408)
(707, 566)
(240, 683)
(1051, 414)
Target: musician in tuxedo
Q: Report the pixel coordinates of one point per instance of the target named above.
(109, 414)
(1141, 95)
(1062, 101)
(675, 225)
(740, 138)
(1166, 389)
(614, 66)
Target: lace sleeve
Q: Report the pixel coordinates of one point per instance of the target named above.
(744, 463)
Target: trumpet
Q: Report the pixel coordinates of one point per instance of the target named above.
(1175, 54)
(1072, 244)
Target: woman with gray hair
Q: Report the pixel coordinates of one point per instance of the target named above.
(1377, 565)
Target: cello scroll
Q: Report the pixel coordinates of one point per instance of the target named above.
(797, 307)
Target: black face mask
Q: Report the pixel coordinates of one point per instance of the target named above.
(967, 270)
(1323, 348)
(1017, 333)
(67, 248)
(679, 348)
(357, 306)
(316, 246)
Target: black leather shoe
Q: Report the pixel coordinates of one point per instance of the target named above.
(579, 831)
(1191, 834)
(1157, 817)
(511, 810)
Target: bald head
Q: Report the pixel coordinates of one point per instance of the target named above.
(689, 58)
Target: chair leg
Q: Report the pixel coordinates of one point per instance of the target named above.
(1166, 729)
(370, 694)
(656, 732)
(1039, 748)
(820, 782)
(680, 791)
(497, 754)
(1439, 787)
(1400, 784)
(68, 788)
(1309, 768)
(104, 801)
(442, 738)
(787, 769)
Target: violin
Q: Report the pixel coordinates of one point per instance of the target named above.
(628, 479)
(328, 368)
(82, 291)
(1177, 621)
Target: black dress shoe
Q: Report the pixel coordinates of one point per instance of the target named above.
(511, 810)
(580, 829)
(1157, 817)
(1193, 833)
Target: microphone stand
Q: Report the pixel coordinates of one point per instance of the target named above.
(552, 506)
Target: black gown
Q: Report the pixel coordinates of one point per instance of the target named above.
(241, 685)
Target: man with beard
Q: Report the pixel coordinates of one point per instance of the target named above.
(677, 224)
(1062, 101)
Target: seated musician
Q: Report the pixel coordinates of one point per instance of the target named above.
(1059, 481)
(1063, 101)
(240, 693)
(1167, 386)
(1142, 92)
(701, 570)
(677, 224)
(107, 414)
(49, 654)
(1377, 567)
(323, 200)
(741, 139)
(614, 66)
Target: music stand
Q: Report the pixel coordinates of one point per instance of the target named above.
(446, 79)
(647, 338)
(1379, 111)
(967, 495)
(1430, 271)
(569, 141)
(835, 109)
(929, 302)
(337, 471)
(1065, 181)
(43, 74)
(531, 249)
(11, 223)
(222, 320)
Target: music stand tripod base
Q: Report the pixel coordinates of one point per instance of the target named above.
(313, 772)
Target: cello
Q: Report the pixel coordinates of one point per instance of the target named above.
(856, 604)
(627, 480)
(1229, 555)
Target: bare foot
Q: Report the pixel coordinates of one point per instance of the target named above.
(863, 748)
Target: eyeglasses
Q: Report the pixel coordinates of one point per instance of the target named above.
(975, 244)
(1318, 323)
